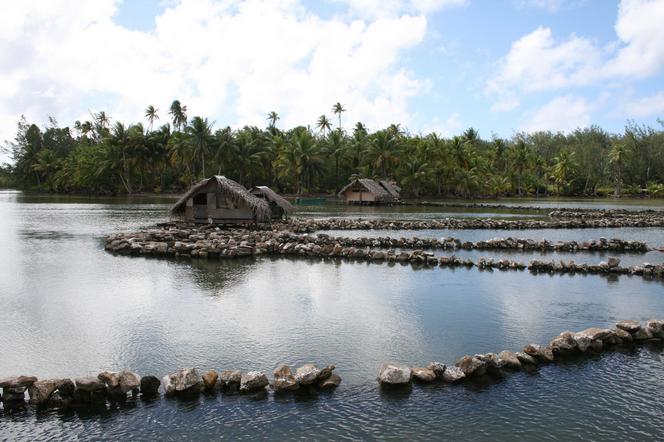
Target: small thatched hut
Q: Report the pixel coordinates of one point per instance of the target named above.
(279, 207)
(367, 191)
(391, 187)
(221, 200)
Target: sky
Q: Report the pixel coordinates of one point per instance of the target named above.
(428, 65)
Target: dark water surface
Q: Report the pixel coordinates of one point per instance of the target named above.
(71, 309)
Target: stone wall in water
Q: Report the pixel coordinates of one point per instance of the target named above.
(209, 242)
(109, 388)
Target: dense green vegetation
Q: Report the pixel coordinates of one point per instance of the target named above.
(101, 156)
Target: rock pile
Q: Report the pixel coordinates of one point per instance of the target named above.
(591, 341)
(213, 242)
(307, 225)
(115, 387)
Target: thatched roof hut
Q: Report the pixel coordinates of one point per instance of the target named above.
(391, 187)
(366, 191)
(221, 200)
(279, 206)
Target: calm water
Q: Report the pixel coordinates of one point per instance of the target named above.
(70, 309)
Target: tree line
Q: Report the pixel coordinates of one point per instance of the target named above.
(102, 156)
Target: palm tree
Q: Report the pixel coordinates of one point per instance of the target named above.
(199, 134)
(272, 117)
(102, 119)
(383, 151)
(563, 164)
(151, 115)
(337, 109)
(335, 145)
(323, 124)
(617, 158)
(520, 160)
(178, 114)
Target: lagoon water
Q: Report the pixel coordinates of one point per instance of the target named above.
(71, 309)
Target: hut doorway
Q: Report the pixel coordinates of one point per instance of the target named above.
(200, 206)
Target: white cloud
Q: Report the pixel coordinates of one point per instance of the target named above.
(647, 106)
(232, 59)
(391, 8)
(538, 62)
(564, 114)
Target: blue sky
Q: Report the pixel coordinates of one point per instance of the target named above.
(430, 65)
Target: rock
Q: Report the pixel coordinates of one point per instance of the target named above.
(508, 360)
(471, 366)
(111, 380)
(253, 381)
(628, 325)
(230, 380)
(90, 384)
(41, 391)
(210, 380)
(66, 388)
(532, 350)
(656, 327)
(330, 382)
(13, 394)
(284, 380)
(307, 374)
(129, 381)
(563, 344)
(594, 333)
(422, 374)
(623, 334)
(18, 381)
(525, 358)
(394, 374)
(491, 360)
(150, 386)
(183, 380)
(613, 262)
(326, 372)
(453, 374)
(169, 385)
(642, 334)
(438, 368)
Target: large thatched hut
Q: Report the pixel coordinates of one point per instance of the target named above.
(367, 191)
(279, 206)
(221, 200)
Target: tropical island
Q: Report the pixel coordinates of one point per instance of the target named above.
(169, 151)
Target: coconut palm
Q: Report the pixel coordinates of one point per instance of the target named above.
(617, 157)
(272, 117)
(563, 164)
(178, 114)
(335, 145)
(199, 135)
(151, 115)
(383, 151)
(337, 109)
(323, 124)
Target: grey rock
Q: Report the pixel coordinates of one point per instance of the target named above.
(525, 358)
(628, 325)
(438, 368)
(394, 374)
(307, 374)
(453, 374)
(41, 391)
(253, 381)
(471, 366)
(509, 360)
(150, 386)
(90, 384)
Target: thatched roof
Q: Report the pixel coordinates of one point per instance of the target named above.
(274, 197)
(233, 191)
(380, 194)
(391, 188)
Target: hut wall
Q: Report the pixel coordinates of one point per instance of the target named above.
(217, 207)
(353, 196)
